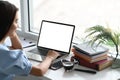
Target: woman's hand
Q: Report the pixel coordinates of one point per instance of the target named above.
(53, 54)
(15, 41)
(41, 69)
(12, 34)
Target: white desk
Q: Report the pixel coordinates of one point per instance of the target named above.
(60, 74)
(107, 74)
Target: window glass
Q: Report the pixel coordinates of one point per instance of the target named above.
(81, 13)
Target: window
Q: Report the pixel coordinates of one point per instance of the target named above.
(24, 29)
(81, 13)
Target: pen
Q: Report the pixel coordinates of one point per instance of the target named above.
(29, 46)
(87, 71)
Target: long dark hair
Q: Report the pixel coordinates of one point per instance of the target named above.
(7, 15)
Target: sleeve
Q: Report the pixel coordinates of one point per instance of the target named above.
(20, 65)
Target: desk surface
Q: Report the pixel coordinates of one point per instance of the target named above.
(106, 74)
(60, 74)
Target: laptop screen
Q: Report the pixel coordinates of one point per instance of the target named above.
(56, 36)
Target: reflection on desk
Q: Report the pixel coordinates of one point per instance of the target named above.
(106, 74)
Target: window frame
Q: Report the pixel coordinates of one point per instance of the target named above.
(25, 21)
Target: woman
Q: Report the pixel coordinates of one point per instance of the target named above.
(12, 59)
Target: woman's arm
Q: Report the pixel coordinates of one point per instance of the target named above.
(15, 41)
(41, 69)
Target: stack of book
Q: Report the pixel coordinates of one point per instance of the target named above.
(91, 56)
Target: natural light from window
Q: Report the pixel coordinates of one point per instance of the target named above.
(81, 13)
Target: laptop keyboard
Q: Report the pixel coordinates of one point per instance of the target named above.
(42, 52)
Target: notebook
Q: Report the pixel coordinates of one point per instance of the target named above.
(54, 36)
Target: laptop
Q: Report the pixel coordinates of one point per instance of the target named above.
(54, 36)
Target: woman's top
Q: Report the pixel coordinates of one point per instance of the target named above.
(13, 62)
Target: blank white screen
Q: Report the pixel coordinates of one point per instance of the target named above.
(56, 36)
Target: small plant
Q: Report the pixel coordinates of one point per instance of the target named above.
(99, 34)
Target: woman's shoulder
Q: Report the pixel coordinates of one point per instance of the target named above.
(3, 47)
(7, 53)
(9, 58)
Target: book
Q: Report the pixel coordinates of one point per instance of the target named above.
(89, 50)
(100, 65)
(89, 58)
